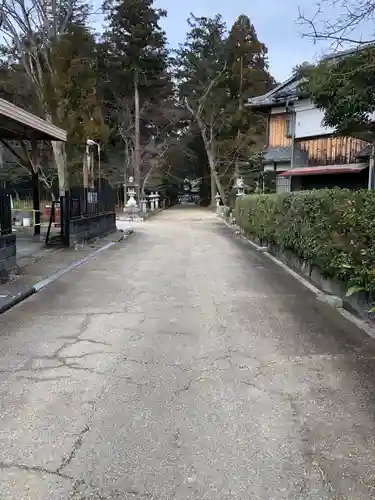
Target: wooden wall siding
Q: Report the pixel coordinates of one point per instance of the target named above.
(276, 136)
(331, 150)
(321, 151)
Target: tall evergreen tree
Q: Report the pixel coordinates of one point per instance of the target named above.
(201, 69)
(74, 93)
(247, 62)
(248, 76)
(135, 45)
(134, 63)
(217, 73)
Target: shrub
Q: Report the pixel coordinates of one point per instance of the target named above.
(331, 229)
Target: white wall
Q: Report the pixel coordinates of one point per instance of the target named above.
(278, 110)
(309, 121)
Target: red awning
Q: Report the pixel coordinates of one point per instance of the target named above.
(353, 168)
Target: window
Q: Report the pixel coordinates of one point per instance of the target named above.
(289, 122)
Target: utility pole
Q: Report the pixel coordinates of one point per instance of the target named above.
(137, 145)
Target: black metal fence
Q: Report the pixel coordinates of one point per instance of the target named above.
(79, 208)
(5, 212)
(100, 198)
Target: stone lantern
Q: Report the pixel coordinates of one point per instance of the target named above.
(131, 203)
(131, 206)
(217, 198)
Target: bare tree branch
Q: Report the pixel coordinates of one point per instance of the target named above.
(339, 21)
(31, 27)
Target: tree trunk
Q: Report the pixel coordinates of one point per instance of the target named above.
(36, 201)
(137, 146)
(213, 190)
(215, 181)
(60, 161)
(236, 166)
(240, 107)
(209, 145)
(58, 148)
(36, 188)
(127, 170)
(145, 180)
(61, 166)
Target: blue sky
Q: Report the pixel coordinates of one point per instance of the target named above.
(274, 20)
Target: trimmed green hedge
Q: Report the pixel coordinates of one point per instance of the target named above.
(333, 230)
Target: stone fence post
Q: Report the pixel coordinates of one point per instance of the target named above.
(152, 202)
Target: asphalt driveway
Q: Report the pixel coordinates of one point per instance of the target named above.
(183, 365)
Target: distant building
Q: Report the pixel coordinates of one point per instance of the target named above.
(300, 151)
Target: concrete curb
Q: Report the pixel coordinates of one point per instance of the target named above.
(331, 300)
(16, 299)
(31, 290)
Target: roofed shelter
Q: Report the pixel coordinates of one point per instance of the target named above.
(18, 124)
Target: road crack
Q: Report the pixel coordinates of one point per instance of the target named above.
(76, 446)
(45, 379)
(153, 363)
(36, 469)
(185, 388)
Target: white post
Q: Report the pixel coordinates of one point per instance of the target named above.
(240, 186)
(157, 196)
(152, 202)
(143, 205)
(371, 168)
(217, 198)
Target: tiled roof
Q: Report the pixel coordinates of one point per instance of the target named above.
(288, 89)
(278, 95)
(278, 155)
(284, 155)
(348, 52)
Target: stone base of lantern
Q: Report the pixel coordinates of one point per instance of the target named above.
(132, 212)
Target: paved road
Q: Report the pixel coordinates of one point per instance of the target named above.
(183, 365)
